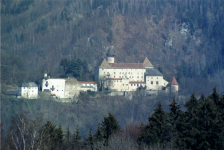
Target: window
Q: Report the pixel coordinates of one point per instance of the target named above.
(128, 72)
(120, 81)
(107, 72)
(114, 72)
(117, 80)
(151, 77)
(131, 84)
(137, 76)
(123, 84)
(157, 82)
(120, 72)
(126, 84)
(132, 76)
(134, 84)
(142, 76)
(157, 77)
(104, 72)
(151, 82)
(119, 76)
(114, 76)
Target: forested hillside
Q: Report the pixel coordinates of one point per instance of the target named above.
(184, 38)
(200, 126)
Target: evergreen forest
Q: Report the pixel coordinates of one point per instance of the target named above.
(199, 126)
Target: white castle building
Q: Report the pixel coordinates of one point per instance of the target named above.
(66, 87)
(128, 76)
(28, 90)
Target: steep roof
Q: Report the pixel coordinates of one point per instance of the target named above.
(102, 63)
(29, 84)
(127, 65)
(153, 72)
(146, 62)
(174, 81)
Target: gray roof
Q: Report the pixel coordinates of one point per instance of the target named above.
(29, 84)
(153, 72)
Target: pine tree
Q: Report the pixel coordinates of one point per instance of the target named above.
(98, 135)
(180, 136)
(157, 131)
(174, 115)
(90, 140)
(192, 122)
(58, 138)
(76, 139)
(68, 138)
(214, 96)
(110, 126)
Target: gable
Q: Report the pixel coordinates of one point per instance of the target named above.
(104, 64)
(147, 63)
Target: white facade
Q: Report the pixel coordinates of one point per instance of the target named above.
(55, 85)
(28, 90)
(88, 85)
(128, 76)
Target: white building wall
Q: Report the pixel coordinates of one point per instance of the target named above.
(56, 86)
(28, 92)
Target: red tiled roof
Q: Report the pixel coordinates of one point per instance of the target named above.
(127, 65)
(91, 82)
(173, 82)
(113, 78)
(136, 82)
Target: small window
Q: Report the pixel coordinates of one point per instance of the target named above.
(134, 84)
(114, 72)
(157, 82)
(117, 80)
(137, 76)
(131, 84)
(114, 76)
(128, 72)
(157, 77)
(151, 82)
(123, 84)
(142, 76)
(120, 72)
(120, 81)
(119, 76)
(151, 77)
(104, 72)
(126, 84)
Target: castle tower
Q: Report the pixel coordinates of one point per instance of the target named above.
(174, 86)
(110, 56)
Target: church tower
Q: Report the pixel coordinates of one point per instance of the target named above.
(110, 56)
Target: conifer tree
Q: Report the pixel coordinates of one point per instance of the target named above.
(58, 138)
(214, 96)
(90, 140)
(192, 122)
(76, 139)
(98, 135)
(157, 131)
(180, 136)
(68, 138)
(173, 116)
(110, 125)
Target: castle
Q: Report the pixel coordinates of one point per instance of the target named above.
(130, 76)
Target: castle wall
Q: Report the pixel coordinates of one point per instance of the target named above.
(154, 82)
